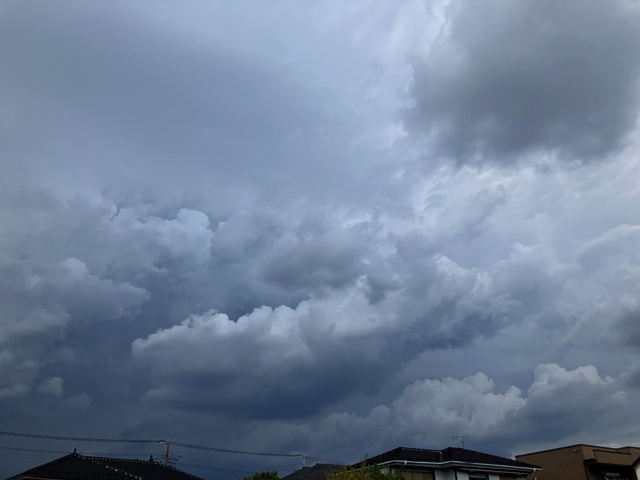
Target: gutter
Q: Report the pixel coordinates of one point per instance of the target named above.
(471, 466)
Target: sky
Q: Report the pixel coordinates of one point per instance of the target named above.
(325, 228)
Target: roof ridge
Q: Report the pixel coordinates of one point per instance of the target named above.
(109, 467)
(421, 449)
(130, 460)
(145, 462)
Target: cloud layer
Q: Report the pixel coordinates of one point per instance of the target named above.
(329, 231)
(506, 80)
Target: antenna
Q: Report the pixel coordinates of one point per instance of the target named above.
(461, 438)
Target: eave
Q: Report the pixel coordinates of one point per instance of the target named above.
(465, 466)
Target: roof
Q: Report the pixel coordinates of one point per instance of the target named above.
(579, 445)
(450, 454)
(82, 467)
(592, 455)
(317, 472)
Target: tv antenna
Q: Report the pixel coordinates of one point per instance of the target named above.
(461, 438)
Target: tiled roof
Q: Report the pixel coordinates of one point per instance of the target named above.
(317, 472)
(450, 454)
(82, 467)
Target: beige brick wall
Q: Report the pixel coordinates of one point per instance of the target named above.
(560, 464)
(569, 463)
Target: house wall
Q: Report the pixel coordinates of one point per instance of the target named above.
(559, 464)
(411, 475)
(448, 474)
(622, 456)
(568, 463)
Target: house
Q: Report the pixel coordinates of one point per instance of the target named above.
(317, 472)
(82, 467)
(585, 462)
(451, 464)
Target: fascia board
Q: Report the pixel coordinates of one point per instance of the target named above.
(453, 464)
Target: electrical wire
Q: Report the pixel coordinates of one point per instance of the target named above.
(214, 467)
(89, 454)
(115, 440)
(77, 439)
(225, 450)
(32, 450)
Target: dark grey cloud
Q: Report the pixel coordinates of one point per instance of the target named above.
(210, 232)
(95, 98)
(322, 253)
(158, 93)
(508, 79)
(340, 342)
(556, 404)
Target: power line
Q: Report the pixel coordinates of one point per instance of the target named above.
(214, 467)
(120, 440)
(324, 460)
(114, 454)
(225, 450)
(77, 439)
(32, 450)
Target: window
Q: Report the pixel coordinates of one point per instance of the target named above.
(417, 475)
(477, 476)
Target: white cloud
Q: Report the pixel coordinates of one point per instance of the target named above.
(18, 390)
(52, 386)
(429, 411)
(452, 405)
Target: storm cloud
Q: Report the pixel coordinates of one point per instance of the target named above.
(329, 231)
(507, 79)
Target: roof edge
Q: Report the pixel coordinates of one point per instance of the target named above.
(574, 446)
(458, 463)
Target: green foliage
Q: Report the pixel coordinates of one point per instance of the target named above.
(373, 472)
(262, 476)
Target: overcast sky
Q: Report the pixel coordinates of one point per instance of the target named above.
(329, 228)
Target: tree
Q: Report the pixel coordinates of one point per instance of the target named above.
(262, 476)
(364, 472)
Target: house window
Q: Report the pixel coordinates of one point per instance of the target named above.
(477, 476)
(417, 475)
(612, 476)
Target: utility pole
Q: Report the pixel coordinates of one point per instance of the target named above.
(166, 452)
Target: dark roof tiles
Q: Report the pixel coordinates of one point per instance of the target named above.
(450, 454)
(82, 467)
(317, 472)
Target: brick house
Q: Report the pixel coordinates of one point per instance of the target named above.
(585, 462)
